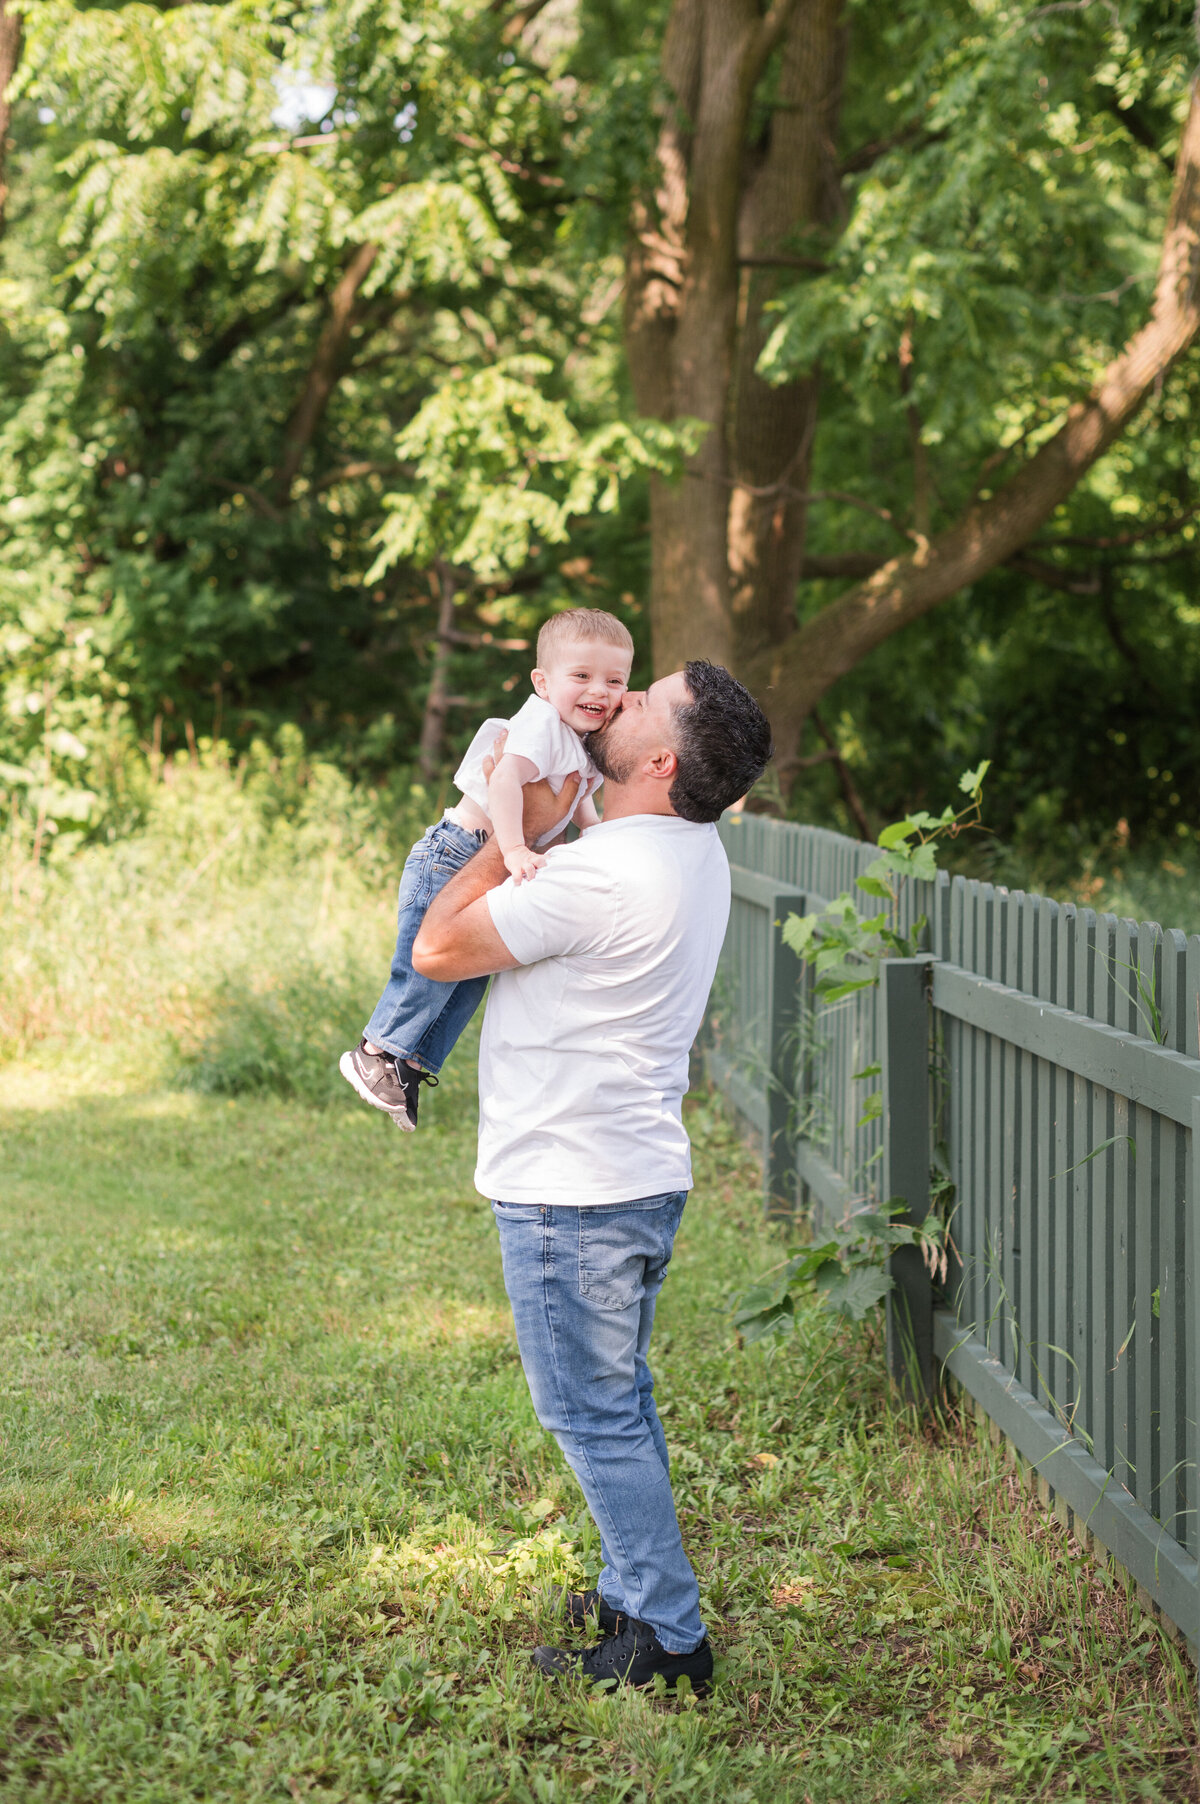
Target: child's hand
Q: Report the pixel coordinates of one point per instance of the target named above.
(522, 864)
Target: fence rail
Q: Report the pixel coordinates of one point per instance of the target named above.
(1040, 1062)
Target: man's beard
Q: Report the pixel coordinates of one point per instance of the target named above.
(608, 758)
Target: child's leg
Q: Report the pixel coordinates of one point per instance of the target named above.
(411, 1005)
(434, 1047)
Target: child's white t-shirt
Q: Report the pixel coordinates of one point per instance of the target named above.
(538, 732)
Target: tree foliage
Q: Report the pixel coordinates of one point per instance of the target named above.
(300, 304)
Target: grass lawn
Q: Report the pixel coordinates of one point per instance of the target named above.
(277, 1520)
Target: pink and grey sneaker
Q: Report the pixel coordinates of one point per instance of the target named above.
(387, 1083)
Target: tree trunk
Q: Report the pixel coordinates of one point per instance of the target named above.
(728, 538)
(10, 56)
(795, 188)
(792, 678)
(437, 706)
(681, 307)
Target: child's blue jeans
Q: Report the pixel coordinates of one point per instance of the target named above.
(417, 1017)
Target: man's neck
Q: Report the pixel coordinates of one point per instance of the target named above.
(621, 799)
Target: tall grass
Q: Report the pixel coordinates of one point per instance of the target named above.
(233, 941)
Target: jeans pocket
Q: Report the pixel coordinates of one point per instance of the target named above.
(451, 849)
(618, 1249)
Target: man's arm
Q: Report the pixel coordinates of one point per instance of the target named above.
(457, 938)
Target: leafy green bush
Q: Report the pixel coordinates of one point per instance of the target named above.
(236, 935)
(283, 1037)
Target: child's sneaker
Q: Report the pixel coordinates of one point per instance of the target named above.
(386, 1083)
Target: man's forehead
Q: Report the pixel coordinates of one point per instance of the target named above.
(670, 691)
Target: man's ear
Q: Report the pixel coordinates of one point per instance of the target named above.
(538, 679)
(662, 764)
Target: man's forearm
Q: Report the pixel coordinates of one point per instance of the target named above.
(456, 939)
(480, 874)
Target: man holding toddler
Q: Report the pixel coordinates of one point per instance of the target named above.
(603, 965)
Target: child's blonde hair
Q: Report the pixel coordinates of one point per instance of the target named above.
(576, 624)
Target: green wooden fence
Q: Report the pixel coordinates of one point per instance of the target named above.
(1041, 1063)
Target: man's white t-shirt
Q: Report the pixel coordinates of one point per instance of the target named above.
(584, 1058)
(538, 732)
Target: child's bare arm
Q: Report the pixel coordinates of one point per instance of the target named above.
(586, 815)
(506, 802)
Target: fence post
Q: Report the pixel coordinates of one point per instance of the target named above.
(784, 975)
(904, 1042)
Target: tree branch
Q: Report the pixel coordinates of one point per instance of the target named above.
(792, 678)
(255, 497)
(775, 22)
(848, 564)
(506, 163)
(324, 371)
(850, 794)
(869, 154)
(351, 472)
(1161, 530)
(10, 56)
(524, 15)
(781, 260)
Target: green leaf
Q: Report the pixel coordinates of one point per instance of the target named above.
(897, 834)
(874, 887)
(761, 1297)
(855, 1293)
(872, 1109)
(868, 1221)
(924, 863)
(875, 1070)
(799, 932)
(806, 1264)
(971, 781)
(840, 991)
(778, 1321)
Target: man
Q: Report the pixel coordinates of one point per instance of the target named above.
(604, 961)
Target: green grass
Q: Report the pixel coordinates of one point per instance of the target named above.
(277, 1520)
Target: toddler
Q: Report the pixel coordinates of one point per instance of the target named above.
(583, 663)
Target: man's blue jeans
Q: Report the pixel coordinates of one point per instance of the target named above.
(583, 1284)
(418, 1017)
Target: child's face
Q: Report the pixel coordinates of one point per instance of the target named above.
(585, 683)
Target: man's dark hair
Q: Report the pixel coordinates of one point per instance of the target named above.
(722, 743)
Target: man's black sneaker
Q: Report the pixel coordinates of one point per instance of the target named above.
(633, 1656)
(386, 1083)
(579, 1607)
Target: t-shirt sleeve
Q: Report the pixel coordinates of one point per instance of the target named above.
(567, 908)
(539, 735)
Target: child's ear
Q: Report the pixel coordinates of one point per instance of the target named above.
(538, 678)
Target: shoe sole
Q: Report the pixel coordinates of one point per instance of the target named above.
(700, 1687)
(346, 1067)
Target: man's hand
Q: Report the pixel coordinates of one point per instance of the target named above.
(542, 809)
